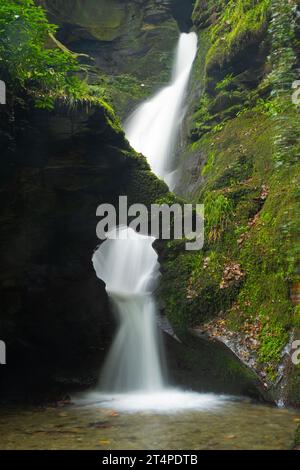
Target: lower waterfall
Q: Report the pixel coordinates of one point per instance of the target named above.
(129, 267)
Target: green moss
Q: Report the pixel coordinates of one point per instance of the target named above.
(272, 341)
(218, 214)
(238, 22)
(145, 187)
(129, 85)
(297, 437)
(209, 164)
(225, 83)
(176, 267)
(226, 373)
(232, 29)
(296, 317)
(256, 203)
(245, 133)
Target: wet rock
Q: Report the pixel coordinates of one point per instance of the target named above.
(123, 37)
(55, 315)
(205, 365)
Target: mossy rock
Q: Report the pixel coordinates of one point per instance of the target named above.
(103, 20)
(297, 439)
(237, 161)
(209, 366)
(225, 100)
(293, 388)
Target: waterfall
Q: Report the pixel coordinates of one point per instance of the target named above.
(129, 267)
(153, 128)
(128, 263)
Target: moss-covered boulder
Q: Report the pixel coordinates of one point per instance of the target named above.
(200, 364)
(239, 159)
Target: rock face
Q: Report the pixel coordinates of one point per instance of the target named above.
(209, 366)
(56, 170)
(238, 156)
(124, 37)
(57, 167)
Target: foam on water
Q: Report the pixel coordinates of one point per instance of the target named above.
(165, 401)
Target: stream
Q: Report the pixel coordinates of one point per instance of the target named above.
(233, 424)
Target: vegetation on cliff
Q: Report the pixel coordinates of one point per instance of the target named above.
(127, 45)
(245, 139)
(26, 63)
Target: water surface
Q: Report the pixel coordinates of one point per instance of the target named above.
(233, 424)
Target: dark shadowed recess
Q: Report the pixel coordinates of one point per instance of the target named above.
(182, 12)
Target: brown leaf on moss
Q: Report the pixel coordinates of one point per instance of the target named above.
(232, 274)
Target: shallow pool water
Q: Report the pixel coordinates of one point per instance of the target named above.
(110, 423)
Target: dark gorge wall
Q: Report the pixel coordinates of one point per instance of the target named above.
(56, 168)
(123, 37)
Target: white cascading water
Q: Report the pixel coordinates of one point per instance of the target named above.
(129, 267)
(153, 128)
(132, 376)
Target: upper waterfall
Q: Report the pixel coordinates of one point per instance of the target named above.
(153, 128)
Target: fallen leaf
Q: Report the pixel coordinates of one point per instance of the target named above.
(104, 442)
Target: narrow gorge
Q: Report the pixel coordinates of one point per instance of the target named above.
(165, 102)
